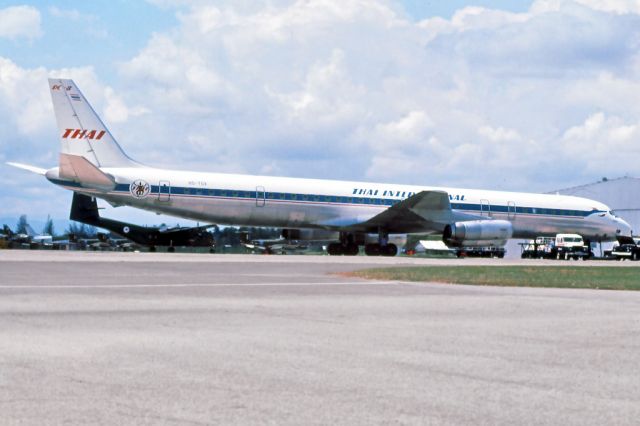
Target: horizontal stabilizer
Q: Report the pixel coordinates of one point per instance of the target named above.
(32, 169)
(82, 171)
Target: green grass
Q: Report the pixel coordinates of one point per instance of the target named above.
(596, 277)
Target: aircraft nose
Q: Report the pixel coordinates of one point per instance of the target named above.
(623, 228)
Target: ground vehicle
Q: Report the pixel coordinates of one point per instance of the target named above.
(487, 251)
(540, 248)
(571, 246)
(627, 251)
(562, 246)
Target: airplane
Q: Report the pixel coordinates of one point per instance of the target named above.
(352, 214)
(27, 239)
(84, 209)
(44, 240)
(274, 246)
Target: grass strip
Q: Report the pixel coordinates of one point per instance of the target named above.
(594, 277)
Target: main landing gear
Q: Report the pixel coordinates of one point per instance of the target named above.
(383, 247)
(349, 246)
(336, 249)
(380, 250)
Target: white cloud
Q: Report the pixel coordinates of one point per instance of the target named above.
(70, 14)
(613, 6)
(499, 134)
(90, 24)
(24, 100)
(302, 87)
(351, 89)
(603, 144)
(115, 109)
(20, 22)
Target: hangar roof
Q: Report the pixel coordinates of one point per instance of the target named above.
(620, 193)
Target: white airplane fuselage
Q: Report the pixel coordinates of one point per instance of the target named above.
(328, 204)
(93, 163)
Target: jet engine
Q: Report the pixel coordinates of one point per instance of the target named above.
(310, 235)
(478, 233)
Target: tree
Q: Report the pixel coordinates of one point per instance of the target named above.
(21, 227)
(48, 227)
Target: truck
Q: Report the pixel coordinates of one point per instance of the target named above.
(560, 247)
(571, 246)
(627, 251)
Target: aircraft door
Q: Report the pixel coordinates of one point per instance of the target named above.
(485, 208)
(511, 210)
(260, 196)
(164, 191)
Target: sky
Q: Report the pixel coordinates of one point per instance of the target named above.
(509, 95)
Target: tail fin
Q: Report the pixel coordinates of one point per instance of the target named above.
(30, 231)
(82, 133)
(84, 209)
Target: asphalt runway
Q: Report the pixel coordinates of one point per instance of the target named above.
(137, 338)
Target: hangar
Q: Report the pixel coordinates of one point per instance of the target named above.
(621, 194)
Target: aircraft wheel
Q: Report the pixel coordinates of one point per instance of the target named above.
(351, 250)
(390, 250)
(152, 248)
(171, 249)
(212, 250)
(334, 249)
(372, 249)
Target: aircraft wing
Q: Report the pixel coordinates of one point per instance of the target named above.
(422, 212)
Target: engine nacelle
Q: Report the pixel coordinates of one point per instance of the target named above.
(478, 233)
(310, 235)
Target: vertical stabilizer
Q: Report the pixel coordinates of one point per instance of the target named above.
(82, 133)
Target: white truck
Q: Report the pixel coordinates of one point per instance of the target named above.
(571, 246)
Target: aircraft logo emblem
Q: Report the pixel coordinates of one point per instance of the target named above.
(139, 188)
(83, 134)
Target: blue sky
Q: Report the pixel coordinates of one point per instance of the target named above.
(511, 95)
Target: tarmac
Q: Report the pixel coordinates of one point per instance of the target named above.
(141, 338)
